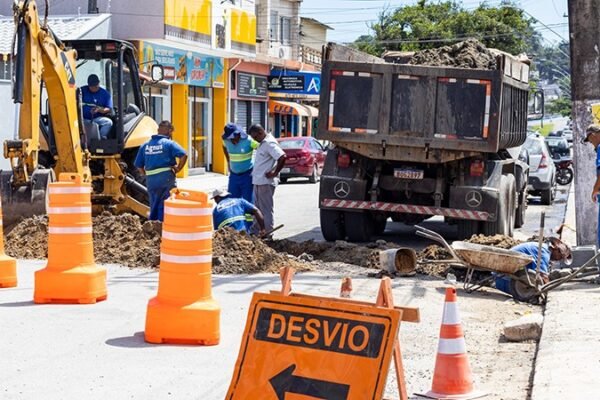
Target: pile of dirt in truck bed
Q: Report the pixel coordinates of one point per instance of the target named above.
(238, 253)
(118, 239)
(468, 54)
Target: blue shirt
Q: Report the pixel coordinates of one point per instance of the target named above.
(90, 100)
(241, 155)
(158, 152)
(529, 249)
(230, 212)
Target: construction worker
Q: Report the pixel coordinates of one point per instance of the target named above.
(239, 150)
(160, 159)
(592, 135)
(553, 250)
(231, 212)
(97, 105)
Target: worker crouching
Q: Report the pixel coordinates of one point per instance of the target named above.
(231, 212)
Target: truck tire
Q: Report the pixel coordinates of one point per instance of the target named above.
(359, 226)
(332, 225)
(379, 224)
(521, 209)
(501, 225)
(547, 197)
(467, 228)
(512, 204)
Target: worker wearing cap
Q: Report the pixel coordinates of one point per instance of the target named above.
(97, 105)
(553, 250)
(231, 212)
(239, 151)
(592, 135)
(160, 159)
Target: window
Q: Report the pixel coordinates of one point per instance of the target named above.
(273, 32)
(286, 30)
(5, 68)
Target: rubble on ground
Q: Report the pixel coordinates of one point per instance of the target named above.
(470, 53)
(528, 327)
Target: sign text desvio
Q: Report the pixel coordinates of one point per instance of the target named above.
(339, 335)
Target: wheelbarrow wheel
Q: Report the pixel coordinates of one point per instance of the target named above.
(520, 288)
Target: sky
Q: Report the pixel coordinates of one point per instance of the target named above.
(350, 18)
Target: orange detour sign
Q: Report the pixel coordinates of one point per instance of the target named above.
(8, 265)
(304, 347)
(184, 311)
(71, 275)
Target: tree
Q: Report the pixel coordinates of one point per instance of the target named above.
(428, 25)
(561, 106)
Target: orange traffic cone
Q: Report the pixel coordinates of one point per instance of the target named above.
(184, 311)
(71, 275)
(8, 265)
(452, 375)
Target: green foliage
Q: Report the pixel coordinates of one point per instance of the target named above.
(553, 62)
(545, 130)
(561, 106)
(429, 25)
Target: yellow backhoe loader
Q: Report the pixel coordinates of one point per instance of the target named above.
(52, 137)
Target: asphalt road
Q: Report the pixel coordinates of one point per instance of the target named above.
(296, 206)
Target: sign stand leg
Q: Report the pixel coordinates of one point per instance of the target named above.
(385, 299)
(286, 274)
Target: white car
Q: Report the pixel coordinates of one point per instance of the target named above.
(542, 172)
(568, 134)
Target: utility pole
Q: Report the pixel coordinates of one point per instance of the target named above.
(585, 88)
(92, 6)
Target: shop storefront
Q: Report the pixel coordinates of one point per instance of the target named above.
(249, 94)
(196, 81)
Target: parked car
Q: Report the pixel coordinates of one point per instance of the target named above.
(305, 158)
(559, 147)
(542, 172)
(568, 134)
(555, 134)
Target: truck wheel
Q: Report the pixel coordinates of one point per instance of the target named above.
(379, 224)
(521, 210)
(359, 226)
(500, 226)
(547, 197)
(467, 228)
(332, 225)
(512, 204)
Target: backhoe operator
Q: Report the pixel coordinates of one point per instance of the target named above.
(97, 104)
(160, 159)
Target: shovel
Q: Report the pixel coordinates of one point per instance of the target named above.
(268, 233)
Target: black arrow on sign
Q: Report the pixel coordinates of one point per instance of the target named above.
(284, 382)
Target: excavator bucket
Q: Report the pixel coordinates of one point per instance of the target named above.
(24, 201)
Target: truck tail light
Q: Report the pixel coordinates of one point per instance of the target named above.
(343, 160)
(543, 162)
(477, 168)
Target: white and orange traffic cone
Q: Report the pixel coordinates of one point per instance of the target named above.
(452, 377)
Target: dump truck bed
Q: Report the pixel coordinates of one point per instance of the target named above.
(422, 113)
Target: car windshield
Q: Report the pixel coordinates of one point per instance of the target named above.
(559, 144)
(292, 144)
(533, 146)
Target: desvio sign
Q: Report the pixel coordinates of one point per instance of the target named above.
(308, 83)
(316, 348)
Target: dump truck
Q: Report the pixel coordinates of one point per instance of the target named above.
(410, 142)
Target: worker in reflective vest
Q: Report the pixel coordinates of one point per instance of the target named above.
(239, 152)
(160, 159)
(231, 212)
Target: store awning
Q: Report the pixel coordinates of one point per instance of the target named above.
(312, 111)
(287, 108)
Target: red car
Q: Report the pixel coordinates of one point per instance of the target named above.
(305, 158)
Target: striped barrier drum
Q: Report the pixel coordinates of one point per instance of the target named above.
(71, 275)
(8, 265)
(184, 310)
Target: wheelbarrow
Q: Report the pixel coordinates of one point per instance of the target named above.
(525, 283)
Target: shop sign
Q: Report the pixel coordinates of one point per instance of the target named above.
(251, 85)
(295, 82)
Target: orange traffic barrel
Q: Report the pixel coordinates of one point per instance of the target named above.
(71, 275)
(184, 311)
(8, 265)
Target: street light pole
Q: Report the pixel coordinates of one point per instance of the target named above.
(585, 83)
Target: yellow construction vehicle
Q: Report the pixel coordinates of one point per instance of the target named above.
(52, 137)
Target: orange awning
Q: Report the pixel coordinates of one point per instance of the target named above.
(287, 108)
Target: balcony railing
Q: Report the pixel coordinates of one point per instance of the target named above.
(311, 56)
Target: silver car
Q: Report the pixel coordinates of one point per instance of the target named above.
(568, 134)
(542, 172)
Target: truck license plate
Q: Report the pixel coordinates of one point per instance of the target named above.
(408, 173)
(285, 170)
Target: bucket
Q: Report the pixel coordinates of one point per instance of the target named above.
(401, 262)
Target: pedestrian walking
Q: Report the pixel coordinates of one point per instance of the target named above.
(268, 162)
(160, 159)
(231, 212)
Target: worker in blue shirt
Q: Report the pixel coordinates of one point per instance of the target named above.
(231, 212)
(97, 105)
(239, 152)
(160, 159)
(553, 250)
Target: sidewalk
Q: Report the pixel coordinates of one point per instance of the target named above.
(203, 182)
(568, 360)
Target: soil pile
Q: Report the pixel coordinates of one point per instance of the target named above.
(425, 264)
(118, 239)
(500, 241)
(238, 253)
(468, 54)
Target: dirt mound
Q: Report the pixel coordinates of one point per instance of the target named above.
(238, 253)
(118, 239)
(500, 241)
(468, 54)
